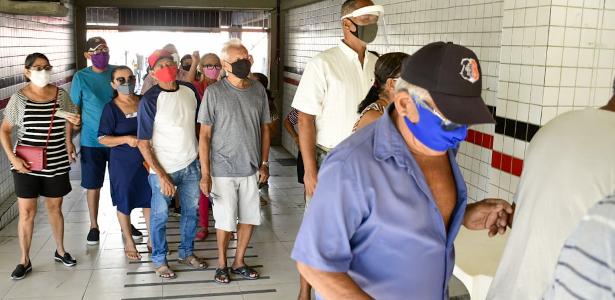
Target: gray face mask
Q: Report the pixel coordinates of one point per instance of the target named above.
(126, 88)
(366, 33)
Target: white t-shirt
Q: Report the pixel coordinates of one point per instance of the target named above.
(331, 88)
(168, 119)
(569, 166)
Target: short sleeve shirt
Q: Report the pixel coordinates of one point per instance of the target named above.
(236, 116)
(332, 86)
(91, 91)
(168, 119)
(373, 218)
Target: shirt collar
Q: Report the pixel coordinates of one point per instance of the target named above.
(348, 51)
(388, 142)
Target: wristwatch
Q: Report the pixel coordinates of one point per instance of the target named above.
(265, 163)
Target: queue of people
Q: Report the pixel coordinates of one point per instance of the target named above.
(377, 138)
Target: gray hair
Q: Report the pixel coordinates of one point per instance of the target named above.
(231, 44)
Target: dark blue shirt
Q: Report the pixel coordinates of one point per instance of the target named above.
(373, 216)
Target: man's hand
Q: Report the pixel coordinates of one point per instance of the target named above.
(263, 174)
(205, 184)
(310, 180)
(70, 150)
(489, 214)
(20, 165)
(167, 187)
(196, 57)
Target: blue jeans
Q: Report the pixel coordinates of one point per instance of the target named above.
(187, 182)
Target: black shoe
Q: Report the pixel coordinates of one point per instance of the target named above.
(67, 260)
(21, 271)
(93, 236)
(136, 234)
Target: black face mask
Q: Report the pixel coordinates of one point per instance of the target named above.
(241, 68)
(366, 33)
(186, 67)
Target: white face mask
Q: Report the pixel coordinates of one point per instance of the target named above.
(40, 78)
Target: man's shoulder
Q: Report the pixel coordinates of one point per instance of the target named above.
(151, 94)
(330, 55)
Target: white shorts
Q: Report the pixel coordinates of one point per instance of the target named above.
(235, 199)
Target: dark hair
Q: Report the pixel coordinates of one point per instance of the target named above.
(187, 56)
(387, 66)
(117, 69)
(31, 58)
(348, 7)
(262, 78)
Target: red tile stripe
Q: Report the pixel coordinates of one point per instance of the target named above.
(66, 80)
(499, 160)
(291, 81)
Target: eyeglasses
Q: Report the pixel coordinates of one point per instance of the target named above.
(41, 68)
(446, 124)
(211, 67)
(122, 80)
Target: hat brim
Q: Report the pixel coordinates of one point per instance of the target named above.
(463, 110)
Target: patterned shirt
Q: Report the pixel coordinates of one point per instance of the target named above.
(32, 120)
(586, 266)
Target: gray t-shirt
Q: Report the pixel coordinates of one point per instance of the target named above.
(236, 116)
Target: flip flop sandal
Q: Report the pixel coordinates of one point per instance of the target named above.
(222, 276)
(193, 261)
(132, 255)
(165, 273)
(246, 272)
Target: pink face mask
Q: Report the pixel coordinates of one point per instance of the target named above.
(212, 73)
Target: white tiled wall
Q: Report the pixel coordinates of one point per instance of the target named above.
(20, 36)
(540, 58)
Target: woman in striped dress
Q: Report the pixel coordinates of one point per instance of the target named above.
(30, 111)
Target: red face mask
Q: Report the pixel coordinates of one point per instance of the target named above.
(166, 74)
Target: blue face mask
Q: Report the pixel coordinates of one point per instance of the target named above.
(432, 131)
(126, 88)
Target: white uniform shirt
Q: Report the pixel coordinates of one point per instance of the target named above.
(569, 167)
(331, 88)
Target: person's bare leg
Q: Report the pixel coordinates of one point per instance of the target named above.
(93, 201)
(130, 249)
(25, 227)
(244, 234)
(223, 238)
(305, 289)
(56, 220)
(146, 215)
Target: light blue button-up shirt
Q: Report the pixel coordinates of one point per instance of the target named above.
(373, 216)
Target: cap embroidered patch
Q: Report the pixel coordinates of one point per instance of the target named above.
(469, 70)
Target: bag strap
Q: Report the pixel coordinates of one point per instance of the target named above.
(53, 113)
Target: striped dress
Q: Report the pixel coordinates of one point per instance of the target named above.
(32, 121)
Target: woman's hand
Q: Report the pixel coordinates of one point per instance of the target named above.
(70, 150)
(132, 141)
(20, 165)
(74, 119)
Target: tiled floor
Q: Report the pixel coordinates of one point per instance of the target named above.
(103, 272)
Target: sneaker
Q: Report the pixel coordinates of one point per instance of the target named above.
(136, 234)
(21, 271)
(67, 260)
(93, 236)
